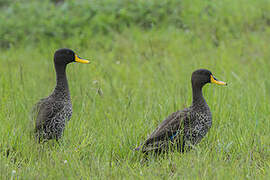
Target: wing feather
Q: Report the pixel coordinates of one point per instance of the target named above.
(44, 111)
(171, 127)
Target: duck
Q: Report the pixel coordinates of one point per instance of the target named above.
(53, 112)
(185, 128)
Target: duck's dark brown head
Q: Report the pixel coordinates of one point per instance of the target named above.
(64, 56)
(201, 77)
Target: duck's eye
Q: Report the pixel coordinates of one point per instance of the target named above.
(68, 53)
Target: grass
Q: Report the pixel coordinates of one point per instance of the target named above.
(143, 77)
(136, 79)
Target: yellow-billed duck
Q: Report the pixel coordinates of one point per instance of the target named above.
(52, 112)
(185, 128)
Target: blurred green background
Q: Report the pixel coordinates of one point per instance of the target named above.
(142, 55)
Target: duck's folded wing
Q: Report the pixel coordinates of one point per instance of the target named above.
(166, 131)
(35, 112)
(44, 111)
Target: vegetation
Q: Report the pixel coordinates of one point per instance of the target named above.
(143, 54)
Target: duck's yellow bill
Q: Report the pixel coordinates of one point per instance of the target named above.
(215, 81)
(80, 60)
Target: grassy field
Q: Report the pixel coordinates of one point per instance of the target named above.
(138, 76)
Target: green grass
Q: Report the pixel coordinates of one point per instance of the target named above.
(136, 79)
(144, 76)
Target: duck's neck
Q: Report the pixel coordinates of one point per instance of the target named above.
(197, 96)
(61, 87)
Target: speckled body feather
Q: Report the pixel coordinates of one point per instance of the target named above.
(186, 128)
(52, 114)
(182, 129)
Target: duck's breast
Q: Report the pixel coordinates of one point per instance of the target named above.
(198, 126)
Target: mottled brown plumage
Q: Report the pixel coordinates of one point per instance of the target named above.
(184, 129)
(52, 113)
